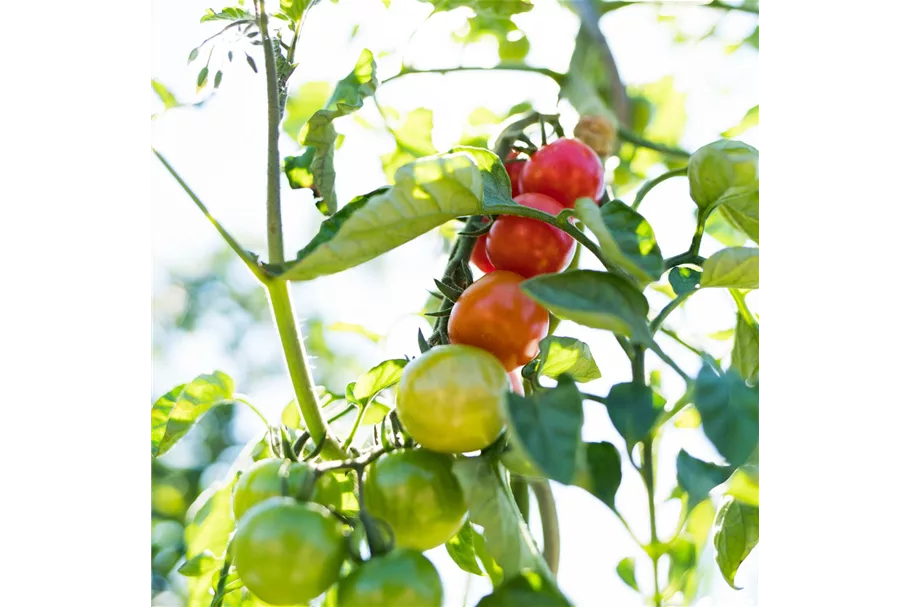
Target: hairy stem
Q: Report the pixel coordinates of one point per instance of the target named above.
(589, 17)
(550, 526)
(631, 137)
(273, 174)
(647, 187)
(648, 475)
(299, 368)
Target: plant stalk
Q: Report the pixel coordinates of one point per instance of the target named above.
(547, 508)
(273, 187)
(647, 187)
(519, 488)
(299, 368)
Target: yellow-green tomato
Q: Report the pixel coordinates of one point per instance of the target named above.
(416, 493)
(288, 553)
(451, 399)
(402, 578)
(264, 480)
(724, 169)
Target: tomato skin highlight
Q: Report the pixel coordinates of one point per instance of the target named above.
(495, 315)
(565, 170)
(416, 493)
(451, 399)
(527, 246)
(479, 255)
(514, 170)
(263, 480)
(288, 553)
(402, 578)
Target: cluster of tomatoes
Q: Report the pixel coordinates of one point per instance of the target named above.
(451, 400)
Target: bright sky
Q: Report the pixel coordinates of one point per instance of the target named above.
(220, 151)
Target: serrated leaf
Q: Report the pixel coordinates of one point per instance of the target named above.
(633, 409)
(568, 355)
(734, 268)
(730, 413)
(460, 548)
(626, 238)
(319, 135)
(684, 280)
(626, 569)
(527, 588)
(602, 473)
(594, 299)
(491, 506)
(203, 562)
(174, 414)
(548, 426)
(427, 193)
(698, 478)
(736, 534)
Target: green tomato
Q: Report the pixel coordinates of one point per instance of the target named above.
(402, 578)
(451, 398)
(263, 480)
(288, 553)
(416, 493)
(722, 171)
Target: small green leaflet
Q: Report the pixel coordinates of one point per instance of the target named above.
(750, 119)
(602, 474)
(461, 549)
(698, 478)
(730, 413)
(568, 355)
(294, 9)
(736, 532)
(229, 13)
(734, 267)
(684, 280)
(166, 96)
(633, 409)
(722, 230)
(743, 213)
(384, 375)
(175, 413)
(203, 562)
(745, 356)
(626, 569)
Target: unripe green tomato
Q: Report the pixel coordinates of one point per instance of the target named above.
(402, 578)
(451, 398)
(416, 493)
(721, 170)
(640, 113)
(288, 553)
(263, 480)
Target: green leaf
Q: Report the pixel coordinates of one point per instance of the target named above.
(603, 473)
(427, 193)
(527, 588)
(743, 213)
(203, 562)
(750, 119)
(412, 139)
(626, 569)
(745, 356)
(491, 506)
(173, 415)
(722, 230)
(736, 534)
(251, 63)
(665, 125)
(698, 478)
(300, 106)
(202, 78)
(594, 299)
(548, 426)
(633, 409)
(626, 238)
(193, 55)
(375, 414)
(497, 185)
(217, 82)
(166, 96)
(227, 14)
(730, 413)
(384, 375)
(319, 134)
(493, 570)
(210, 522)
(294, 9)
(568, 355)
(683, 280)
(733, 268)
(744, 485)
(461, 549)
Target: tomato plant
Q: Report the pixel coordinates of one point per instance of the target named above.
(416, 493)
(555, 301)
(530, 247)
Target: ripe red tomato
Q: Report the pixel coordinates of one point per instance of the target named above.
(565, 170)
(527, 246)
(514, 168)
(515, 381)
(479, 253)
(495, 315)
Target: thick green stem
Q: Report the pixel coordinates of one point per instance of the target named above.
(273, 172)
(700, 230)
(299, 368)
(550, 526)
(519, 488)
(666, 311)
(682, 258)
(648, 475)
(647, 187)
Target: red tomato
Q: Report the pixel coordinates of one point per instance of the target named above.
(514, 168)
(479, 255)
(565, 170)
(527, 246)
(495, 315)
(515, 380)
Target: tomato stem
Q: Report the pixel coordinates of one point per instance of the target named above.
(550, 525)
(519, 488)
(648, 185)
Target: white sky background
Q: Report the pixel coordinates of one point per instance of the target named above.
(220, 151)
